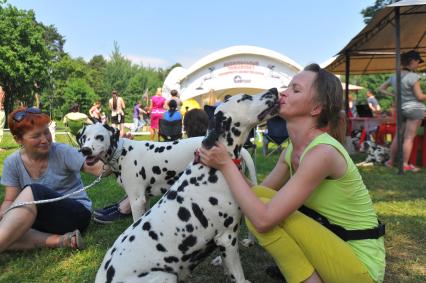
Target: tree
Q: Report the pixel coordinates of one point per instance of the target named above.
(369, 12)
(77, 90)
(24, 55)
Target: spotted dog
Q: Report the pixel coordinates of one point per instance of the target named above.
(196, 215)
(143, 168)
(376, 154)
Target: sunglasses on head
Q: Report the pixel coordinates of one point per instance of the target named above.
(20, 115)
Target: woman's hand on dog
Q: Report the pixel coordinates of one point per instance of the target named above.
(216, 157)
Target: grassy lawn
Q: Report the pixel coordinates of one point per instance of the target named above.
(399, 200)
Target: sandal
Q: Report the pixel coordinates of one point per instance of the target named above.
(411, 168)
(66, 240)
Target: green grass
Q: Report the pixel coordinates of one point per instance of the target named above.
(399, 200)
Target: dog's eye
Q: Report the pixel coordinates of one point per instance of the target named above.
(99, 137)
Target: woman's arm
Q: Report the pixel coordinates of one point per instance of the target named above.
(318, 163)
(279, 175)
(11, 193)
(383, 89)
(418, 92)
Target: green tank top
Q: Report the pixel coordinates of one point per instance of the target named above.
(346, 202)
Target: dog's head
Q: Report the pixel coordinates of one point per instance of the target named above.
(236, 116)
(97, 141)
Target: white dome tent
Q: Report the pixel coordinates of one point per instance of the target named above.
(237, 69)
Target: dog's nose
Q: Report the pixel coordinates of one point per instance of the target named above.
(86, 151)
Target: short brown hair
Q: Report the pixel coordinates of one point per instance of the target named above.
(195, 123)
(29, 122)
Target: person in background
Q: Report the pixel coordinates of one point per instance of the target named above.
(413, 108)
(137, 112)
(117, 106)
(156, 112)
(373, 103)
(172, 114)
(95, 111)
(195, 123)
(175, 96)
(75, 120)
(39, 170)
(2, 113)
(315, 171)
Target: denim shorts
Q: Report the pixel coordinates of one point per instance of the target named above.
(58, 217)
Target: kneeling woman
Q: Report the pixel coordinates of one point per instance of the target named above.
(315, 171)
(40, 170)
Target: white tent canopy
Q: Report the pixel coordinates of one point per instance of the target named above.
(237, 69)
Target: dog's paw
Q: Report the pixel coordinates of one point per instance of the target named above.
(247, 242)
(216, 261)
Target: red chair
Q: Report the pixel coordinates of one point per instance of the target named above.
(418, 140)
(383, 130)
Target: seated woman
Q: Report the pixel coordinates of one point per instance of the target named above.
(42, 170)
(172, 114)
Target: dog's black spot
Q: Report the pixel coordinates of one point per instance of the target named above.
(212, 176)
(161, 248)
(213, 200)
(171, 259)
(156, 170)
(179, 199)
(166, 161)
(199, 214)
(237, 124)
(148, 191)
(171, 195)
(146, 226)
(152, 181)
(107, 264)
(163, 190)
(151, 146)
(160, 149)
(175, 142)
(189, 228)
(245, 97)
(182, 186)
(228, 221)
(131, 238)
(188, 242)
(184, 214)
(142, 172)
(153, 235)
(188, 171)
(237, 151)
(137, 223)
(234, 242)
(113, 251)
(130, 148)
(200, 178)
(169, 147)
(170, 174)
(235, 227)
(193, 180)
(143, 274)
(124, 238)
(110, 274)
(135, 162)
(124, 152)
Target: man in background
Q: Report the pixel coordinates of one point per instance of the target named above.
(373, 103)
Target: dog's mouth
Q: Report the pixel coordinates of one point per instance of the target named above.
(91, 160)
(269, 112)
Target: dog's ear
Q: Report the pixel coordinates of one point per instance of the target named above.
(79, 134)
(214, 131)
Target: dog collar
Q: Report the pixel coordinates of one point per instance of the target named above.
(116, 154)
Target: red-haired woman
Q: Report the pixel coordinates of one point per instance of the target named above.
(41, 170)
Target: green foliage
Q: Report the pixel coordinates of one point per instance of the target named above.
(77, 90)
(369, 12)
(24, 54)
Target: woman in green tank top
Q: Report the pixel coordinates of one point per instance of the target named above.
(314, 171)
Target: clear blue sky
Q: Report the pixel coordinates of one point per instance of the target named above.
(161, 33)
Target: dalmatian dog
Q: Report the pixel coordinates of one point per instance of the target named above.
(376, 154)
(143, 168)
(196, 215)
